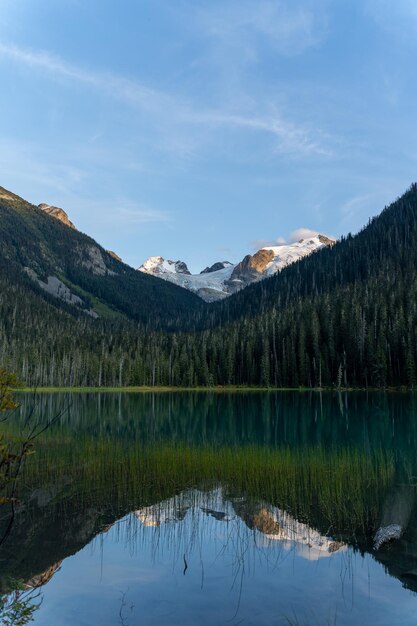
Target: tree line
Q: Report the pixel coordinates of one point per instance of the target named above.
(346, 316)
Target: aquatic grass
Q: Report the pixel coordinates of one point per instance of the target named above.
(340, 489)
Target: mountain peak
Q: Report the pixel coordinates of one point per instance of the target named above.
(158, 265)
(220, 265)
(7, 195)
(57, 213)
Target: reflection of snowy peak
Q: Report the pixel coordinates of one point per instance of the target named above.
(224, 278)
(272, 523)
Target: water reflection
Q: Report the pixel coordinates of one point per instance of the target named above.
(367, 420)
(269, 522)
(258, 489)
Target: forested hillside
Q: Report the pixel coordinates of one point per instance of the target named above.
(71, 272)
(346, 316)
(386, 246)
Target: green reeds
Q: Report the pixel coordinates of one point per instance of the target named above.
(338, 489)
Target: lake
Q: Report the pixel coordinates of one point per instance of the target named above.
(214, 508)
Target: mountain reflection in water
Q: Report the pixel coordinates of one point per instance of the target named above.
(272, 523)
(237, 496)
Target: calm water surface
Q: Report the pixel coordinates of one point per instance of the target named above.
(202, 508)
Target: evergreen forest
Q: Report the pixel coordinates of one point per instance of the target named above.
(344, 317)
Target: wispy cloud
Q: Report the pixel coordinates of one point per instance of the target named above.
(290, 28)
(172, 115)
(388, 13)
(116, 222)
(257, 244)
(124, 213)
(120, 87)
(141, 215)
(292, 138)
(398, 19)
(21, 161)
(356, 205)
(302, 233)
(296, 235)
(357, 209)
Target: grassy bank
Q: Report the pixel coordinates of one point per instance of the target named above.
(217, 389)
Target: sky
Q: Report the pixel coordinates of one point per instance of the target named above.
(201, 130)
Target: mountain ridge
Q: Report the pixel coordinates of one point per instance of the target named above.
(45, 253)
(223, 278)
(345, 316)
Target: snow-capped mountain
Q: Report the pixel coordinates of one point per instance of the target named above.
(224, 278)
(209, 285)
(157, 265)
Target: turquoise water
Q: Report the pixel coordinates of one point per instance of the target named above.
(203, 508)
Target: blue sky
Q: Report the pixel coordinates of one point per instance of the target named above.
(199, 129)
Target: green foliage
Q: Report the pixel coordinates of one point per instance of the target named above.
(344, 317)
(18, 607)
(32, 241)
(11, 453)
(8, 382)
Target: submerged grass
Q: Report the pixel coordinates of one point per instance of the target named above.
(339, 489)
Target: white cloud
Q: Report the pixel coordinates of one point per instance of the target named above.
(296, 235)
(257, 244)
(302, 233)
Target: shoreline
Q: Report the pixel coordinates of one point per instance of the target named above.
(217, 389)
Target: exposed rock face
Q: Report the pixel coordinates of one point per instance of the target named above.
(56, 288)
(114, 255)
(220, 265)
(41, 579)
(265, 523)
(181, 268)
(92, 259)
(250, 269)
(58, 213)
(5, 195)
(326, 241)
